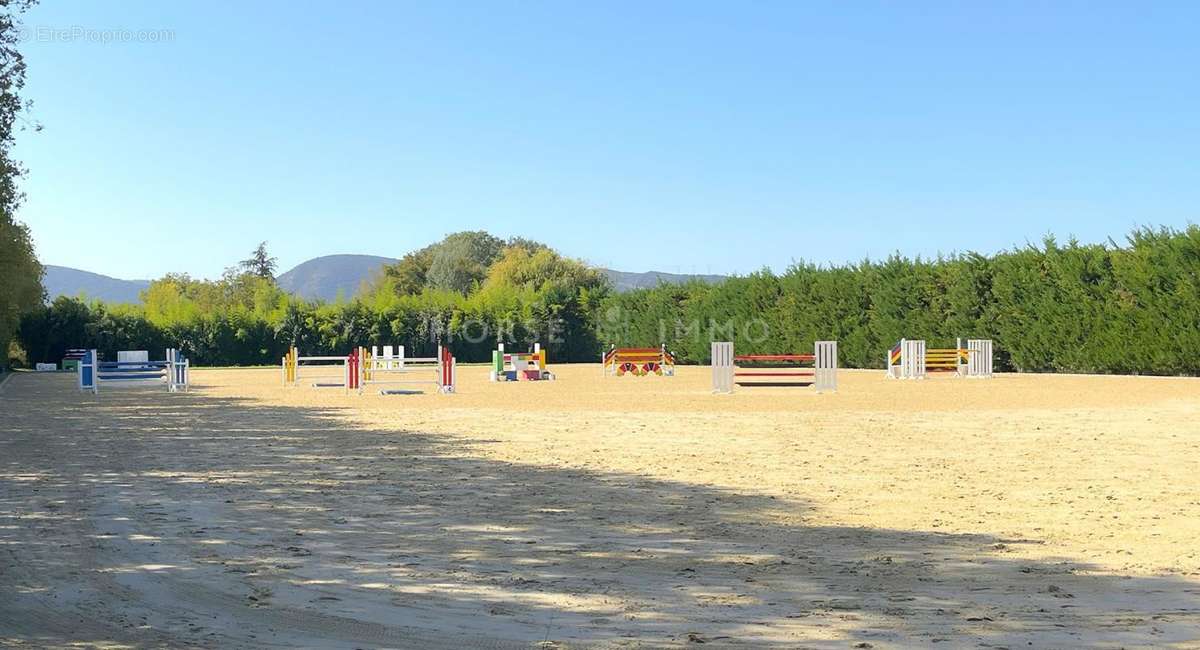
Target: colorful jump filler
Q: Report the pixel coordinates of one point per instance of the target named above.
(910, 359)
(519, 366)
(638, 362)
(818, 370)
(133, 367)
(393, 368)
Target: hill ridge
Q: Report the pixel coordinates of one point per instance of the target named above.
(322, 278)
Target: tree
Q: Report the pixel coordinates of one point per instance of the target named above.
(408, 276)
(458, 263)
(260, 263)
(47, 332)
(462, 259)
(20, 272)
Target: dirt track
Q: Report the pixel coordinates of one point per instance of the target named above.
(1046, 510)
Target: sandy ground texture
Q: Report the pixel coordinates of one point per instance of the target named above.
(1022, 511)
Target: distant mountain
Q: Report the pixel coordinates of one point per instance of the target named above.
(324, 277)
(625, 281)
(65, 281)
(320, 277)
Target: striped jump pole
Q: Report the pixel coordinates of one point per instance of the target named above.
(818, 370)
(446, 370)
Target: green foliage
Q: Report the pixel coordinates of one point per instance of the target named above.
(20, 278)
(47, 332)
(1073, 308)
(461, 261)
(260, 263)
(1132, 308)
(409, 276)
(20, 272)
(527, 294)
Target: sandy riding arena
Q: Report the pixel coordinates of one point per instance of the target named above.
(1022, 511)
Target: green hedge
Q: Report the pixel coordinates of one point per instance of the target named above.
(1051, 308)
(1132, 308)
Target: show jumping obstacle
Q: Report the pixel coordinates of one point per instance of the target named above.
(398, 369)
(323, 371)
(638, 362)
(818, 370)
(912, 360)
(514, 366)
(133, 367)
(362, 368)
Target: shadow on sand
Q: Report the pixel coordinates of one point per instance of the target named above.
(163, 520)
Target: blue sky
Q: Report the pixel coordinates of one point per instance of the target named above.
(677, 136)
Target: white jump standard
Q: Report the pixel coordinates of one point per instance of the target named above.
(133, 368)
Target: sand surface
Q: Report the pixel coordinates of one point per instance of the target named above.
(1022, 511)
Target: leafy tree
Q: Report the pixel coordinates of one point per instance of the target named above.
(48, 331)
(458, 263)
(20, 273)
(461, 260)
(260, 263)
(409, 276)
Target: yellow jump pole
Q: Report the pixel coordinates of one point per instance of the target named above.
(289, 366)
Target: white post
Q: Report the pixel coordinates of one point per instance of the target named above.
(722, 367)
(170, 370)
(826, 364)
(177, 371)
(915, 359)
(440, 369)
(979, 358)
